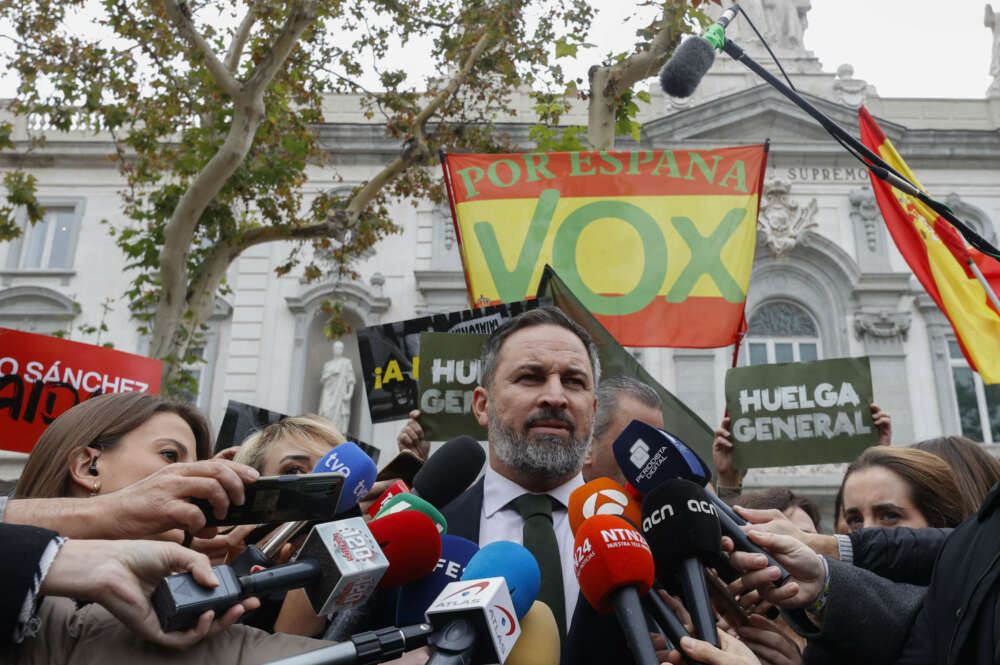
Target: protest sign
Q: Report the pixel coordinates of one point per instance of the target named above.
(678, 419)
(42, 376)
(390, 352)
(656, 244)
(242, 420)
(800, 413)
(450, 373)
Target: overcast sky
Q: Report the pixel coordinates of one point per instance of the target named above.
(905, 48)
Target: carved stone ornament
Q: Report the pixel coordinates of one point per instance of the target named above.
(782, 221)
(882, 325)
(850, 91)
(865, 209)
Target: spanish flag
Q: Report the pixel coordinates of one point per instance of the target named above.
(940, 259)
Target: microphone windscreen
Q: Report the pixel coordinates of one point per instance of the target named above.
(411, 543)
(449, 471)
(512, 562)
(647, 456)
(680, 522)
(358, 469)
(539, 640)
(601, 496)
(608, 554)
(684, 70)
(406, 501)
(416, 597)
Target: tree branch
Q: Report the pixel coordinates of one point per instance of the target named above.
(300, 15)
(240, 38)
(186, 28)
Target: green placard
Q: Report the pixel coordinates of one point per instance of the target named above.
(449, 373)
(800, 413)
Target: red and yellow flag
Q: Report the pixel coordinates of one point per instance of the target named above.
(939, 257)
(658, 245)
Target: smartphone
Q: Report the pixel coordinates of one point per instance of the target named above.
(293, 498)
(403, 466)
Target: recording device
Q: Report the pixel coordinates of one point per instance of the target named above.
(477, 618)
(648, 456)
(396, 488)
(602, 496)
(367, 648)
(689, 63)
(615, 568)
(304, 497)
(403, 467)
(405, 502)
(416, 597)
(539, 642)
(339, 566)
(683, 530)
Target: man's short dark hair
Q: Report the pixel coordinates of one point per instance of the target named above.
(610, 390)
(533, 317)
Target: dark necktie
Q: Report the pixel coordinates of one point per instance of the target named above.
(540, 539)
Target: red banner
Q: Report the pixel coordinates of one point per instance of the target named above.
(42, 376)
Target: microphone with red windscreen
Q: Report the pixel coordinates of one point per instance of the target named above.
(615, 568)
(411, 543)
(602, 496)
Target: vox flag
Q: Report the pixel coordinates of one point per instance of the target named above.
(657, 245)
(939, 258)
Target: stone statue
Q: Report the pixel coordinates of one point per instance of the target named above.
(338, 388)
(992, 21)
(781, 22)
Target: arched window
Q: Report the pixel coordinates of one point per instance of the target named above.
(781, 332)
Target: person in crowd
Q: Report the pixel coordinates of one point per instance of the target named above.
(730, 478)
(801, 510)
(118, 574)
(125, 465)
(976, 471)
(620, 400)
(290, 446)
(894, 486)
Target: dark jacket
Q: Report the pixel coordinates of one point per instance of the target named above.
(901, 554)
(21, 548)
(960, 618)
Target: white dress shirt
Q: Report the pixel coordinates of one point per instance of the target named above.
(500, 522)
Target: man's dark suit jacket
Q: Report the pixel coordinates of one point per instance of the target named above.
(593, 638)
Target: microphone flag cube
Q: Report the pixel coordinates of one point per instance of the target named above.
(353, 564)
(487, 604)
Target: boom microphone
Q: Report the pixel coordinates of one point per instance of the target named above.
(691, 60)
(681, 526)
(615, 567)
(367, 648)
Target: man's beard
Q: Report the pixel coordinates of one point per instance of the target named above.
(543, 456)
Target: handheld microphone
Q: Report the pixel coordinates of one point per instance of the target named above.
(615, 567)
(648, 456)
(681, 525)
(449, 471)
(339, 566)
(367, 648)
(602, 496)
(398, 487)
(539, 641)
(477, 617)
(416, 597)
(410, 502)
(690, 61)
(411, 543)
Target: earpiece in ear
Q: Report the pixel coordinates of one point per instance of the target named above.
(92, 469)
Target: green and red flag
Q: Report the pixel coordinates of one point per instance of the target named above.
(939, 257)
(657, 245)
